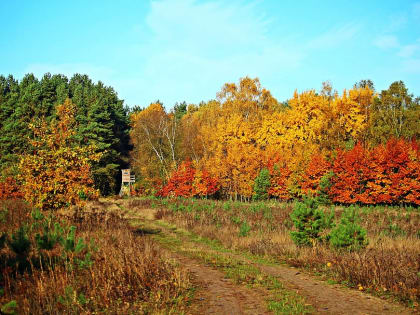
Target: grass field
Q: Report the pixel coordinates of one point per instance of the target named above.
(388, 266)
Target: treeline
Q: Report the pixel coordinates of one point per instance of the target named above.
(101, 122)
(358, 146)
(224, 146)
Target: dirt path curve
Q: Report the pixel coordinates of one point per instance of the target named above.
(328, 299)
(218, 295)
(325, 298)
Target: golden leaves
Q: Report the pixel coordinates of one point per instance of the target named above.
(234, 136)
(57, 172)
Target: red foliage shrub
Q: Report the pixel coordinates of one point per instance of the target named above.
(186, 181)
(385, 174)
(204, 184)
(401, 167)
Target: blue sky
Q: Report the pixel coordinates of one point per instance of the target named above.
(176, 50)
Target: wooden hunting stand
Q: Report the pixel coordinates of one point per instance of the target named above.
(126, 181)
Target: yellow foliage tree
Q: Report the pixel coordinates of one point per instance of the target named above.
(57, 172)
(155, 138)
(229, 135)
(350, 117)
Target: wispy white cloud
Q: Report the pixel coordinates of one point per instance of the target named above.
(386, 42)
(195, 47)
(397, 21)
(208, 25)
(335, 36)
(411, 57)
(416, 10)
(403, 49)
(411, 66)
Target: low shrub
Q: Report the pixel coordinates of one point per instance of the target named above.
(309, 222)
(40, 241)
(244, 229)
(348, 234)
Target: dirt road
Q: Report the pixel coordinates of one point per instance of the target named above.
(218, 295)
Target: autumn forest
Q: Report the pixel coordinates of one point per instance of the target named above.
(357, 146)
(354, 146)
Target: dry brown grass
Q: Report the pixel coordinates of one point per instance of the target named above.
(128, 274)
(390, 264)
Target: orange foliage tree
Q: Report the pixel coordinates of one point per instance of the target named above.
(57, 171)
(246, 129)
(317, 167)
(350, 168)
(395, 173)
(9, 189)
(279, 176)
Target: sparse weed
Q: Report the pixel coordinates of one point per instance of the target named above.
(394, 230)
(227, 206)
(259, 207)
(236, 220)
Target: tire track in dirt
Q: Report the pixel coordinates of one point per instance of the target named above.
(218, 295)
(325, 298)
(328, 299)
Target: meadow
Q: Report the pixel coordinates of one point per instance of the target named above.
(387, 265)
